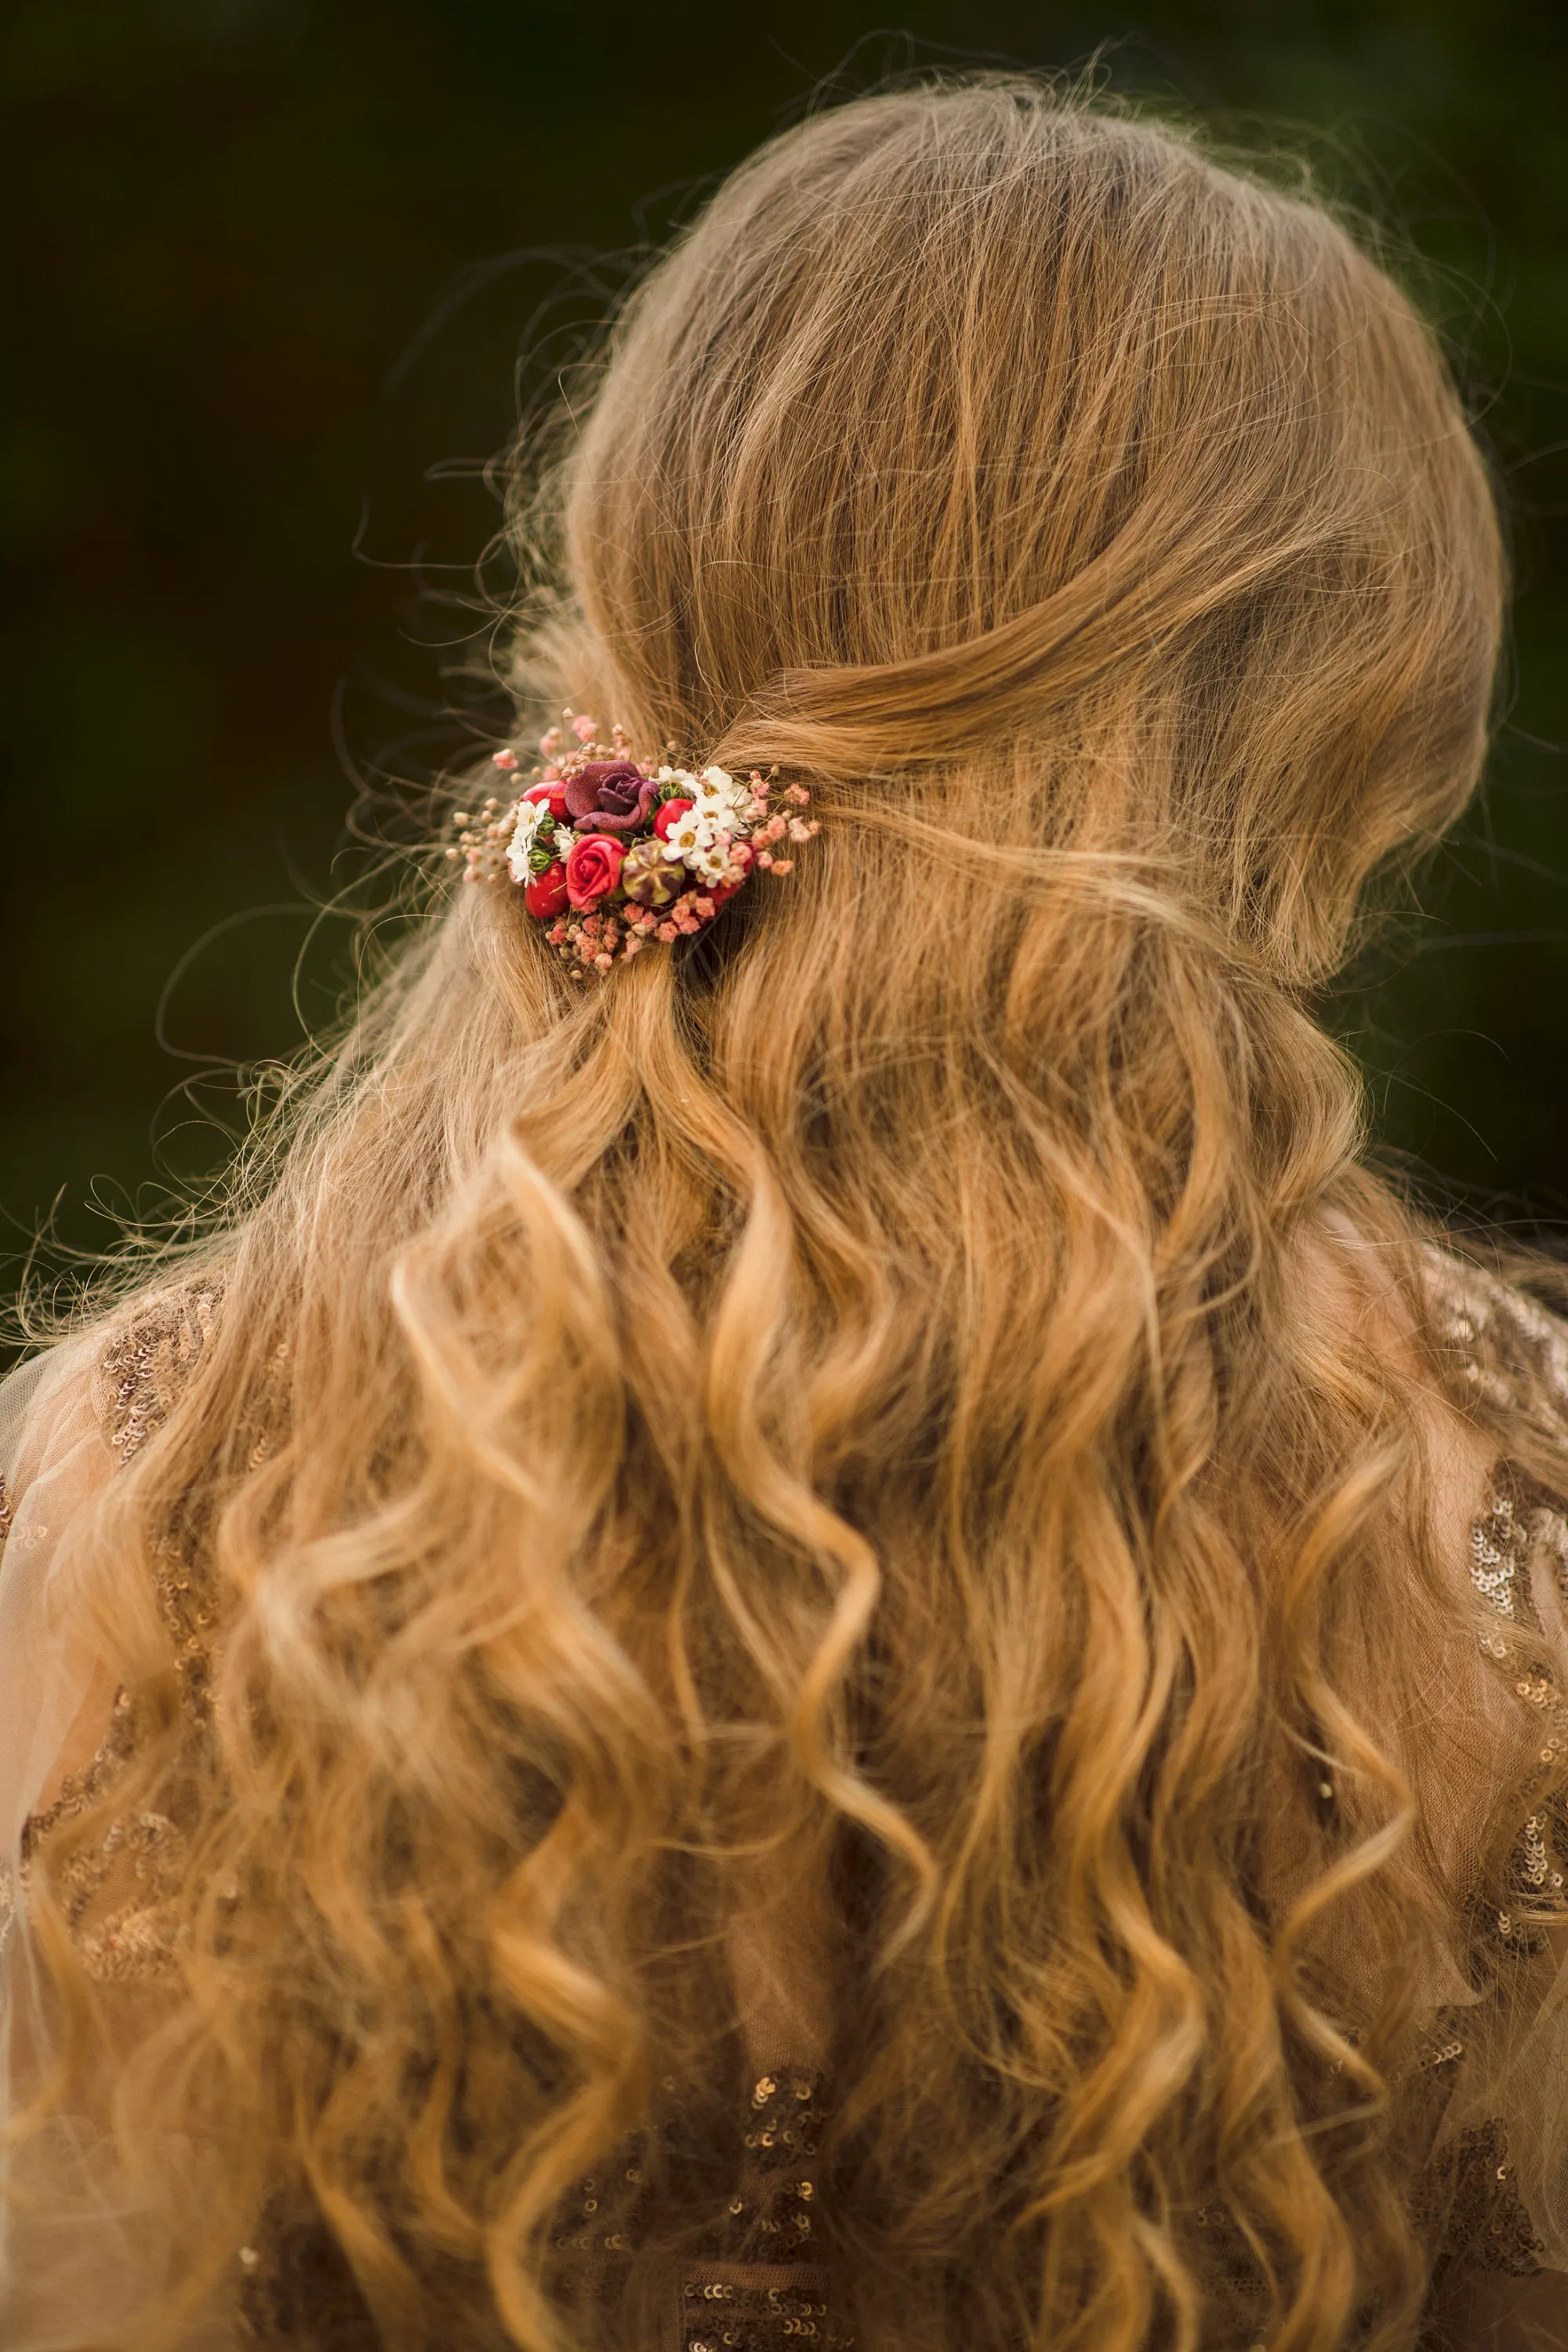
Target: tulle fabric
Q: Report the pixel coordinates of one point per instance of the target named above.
(55, 1460)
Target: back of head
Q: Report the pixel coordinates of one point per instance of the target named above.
(836, 1410)
(967, 421)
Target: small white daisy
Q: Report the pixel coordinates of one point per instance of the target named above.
(530, 817)
(719, 784)
(688, 838)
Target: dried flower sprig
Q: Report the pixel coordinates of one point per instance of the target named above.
(612, 853)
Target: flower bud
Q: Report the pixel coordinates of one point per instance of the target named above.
(650, 878)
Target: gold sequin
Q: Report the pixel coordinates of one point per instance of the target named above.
(147, 1366)
(1497, 1556)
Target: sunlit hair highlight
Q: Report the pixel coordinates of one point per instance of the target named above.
(856, 1409)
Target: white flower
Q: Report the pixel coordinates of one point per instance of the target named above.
(718, 784)
(531, 815)
(713, 861)
(688, 838)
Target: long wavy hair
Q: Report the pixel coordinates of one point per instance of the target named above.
(841, 1434)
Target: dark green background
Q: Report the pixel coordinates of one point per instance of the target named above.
(273, 262)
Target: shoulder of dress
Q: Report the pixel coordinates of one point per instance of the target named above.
(118, 1388)
(1518, 1568)
(1469, 2198)
(1507, 1349)
(115, 1385)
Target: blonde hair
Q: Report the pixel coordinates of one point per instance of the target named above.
(846, 1408)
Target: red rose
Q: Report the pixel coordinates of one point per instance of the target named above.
(740, 853)
(555, 794)
(545, 894)
(593, 868)
(670, 812)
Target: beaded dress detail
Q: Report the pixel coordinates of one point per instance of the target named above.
(113, 1893)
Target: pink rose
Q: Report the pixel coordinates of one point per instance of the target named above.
(593, 868)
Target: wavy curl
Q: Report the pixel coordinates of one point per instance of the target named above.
(855, 1408)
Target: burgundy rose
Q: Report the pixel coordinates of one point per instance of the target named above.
(609, 796)
(593, 868)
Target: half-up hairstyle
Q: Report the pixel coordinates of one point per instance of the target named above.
(840, 1435)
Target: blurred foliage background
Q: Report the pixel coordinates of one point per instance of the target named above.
(273, 265)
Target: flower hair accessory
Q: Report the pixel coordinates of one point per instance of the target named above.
(611, 852)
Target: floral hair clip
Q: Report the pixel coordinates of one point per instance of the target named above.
(611, 853)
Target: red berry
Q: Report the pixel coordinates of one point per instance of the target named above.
(555, 794)
(545, 894)
(670, 812)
